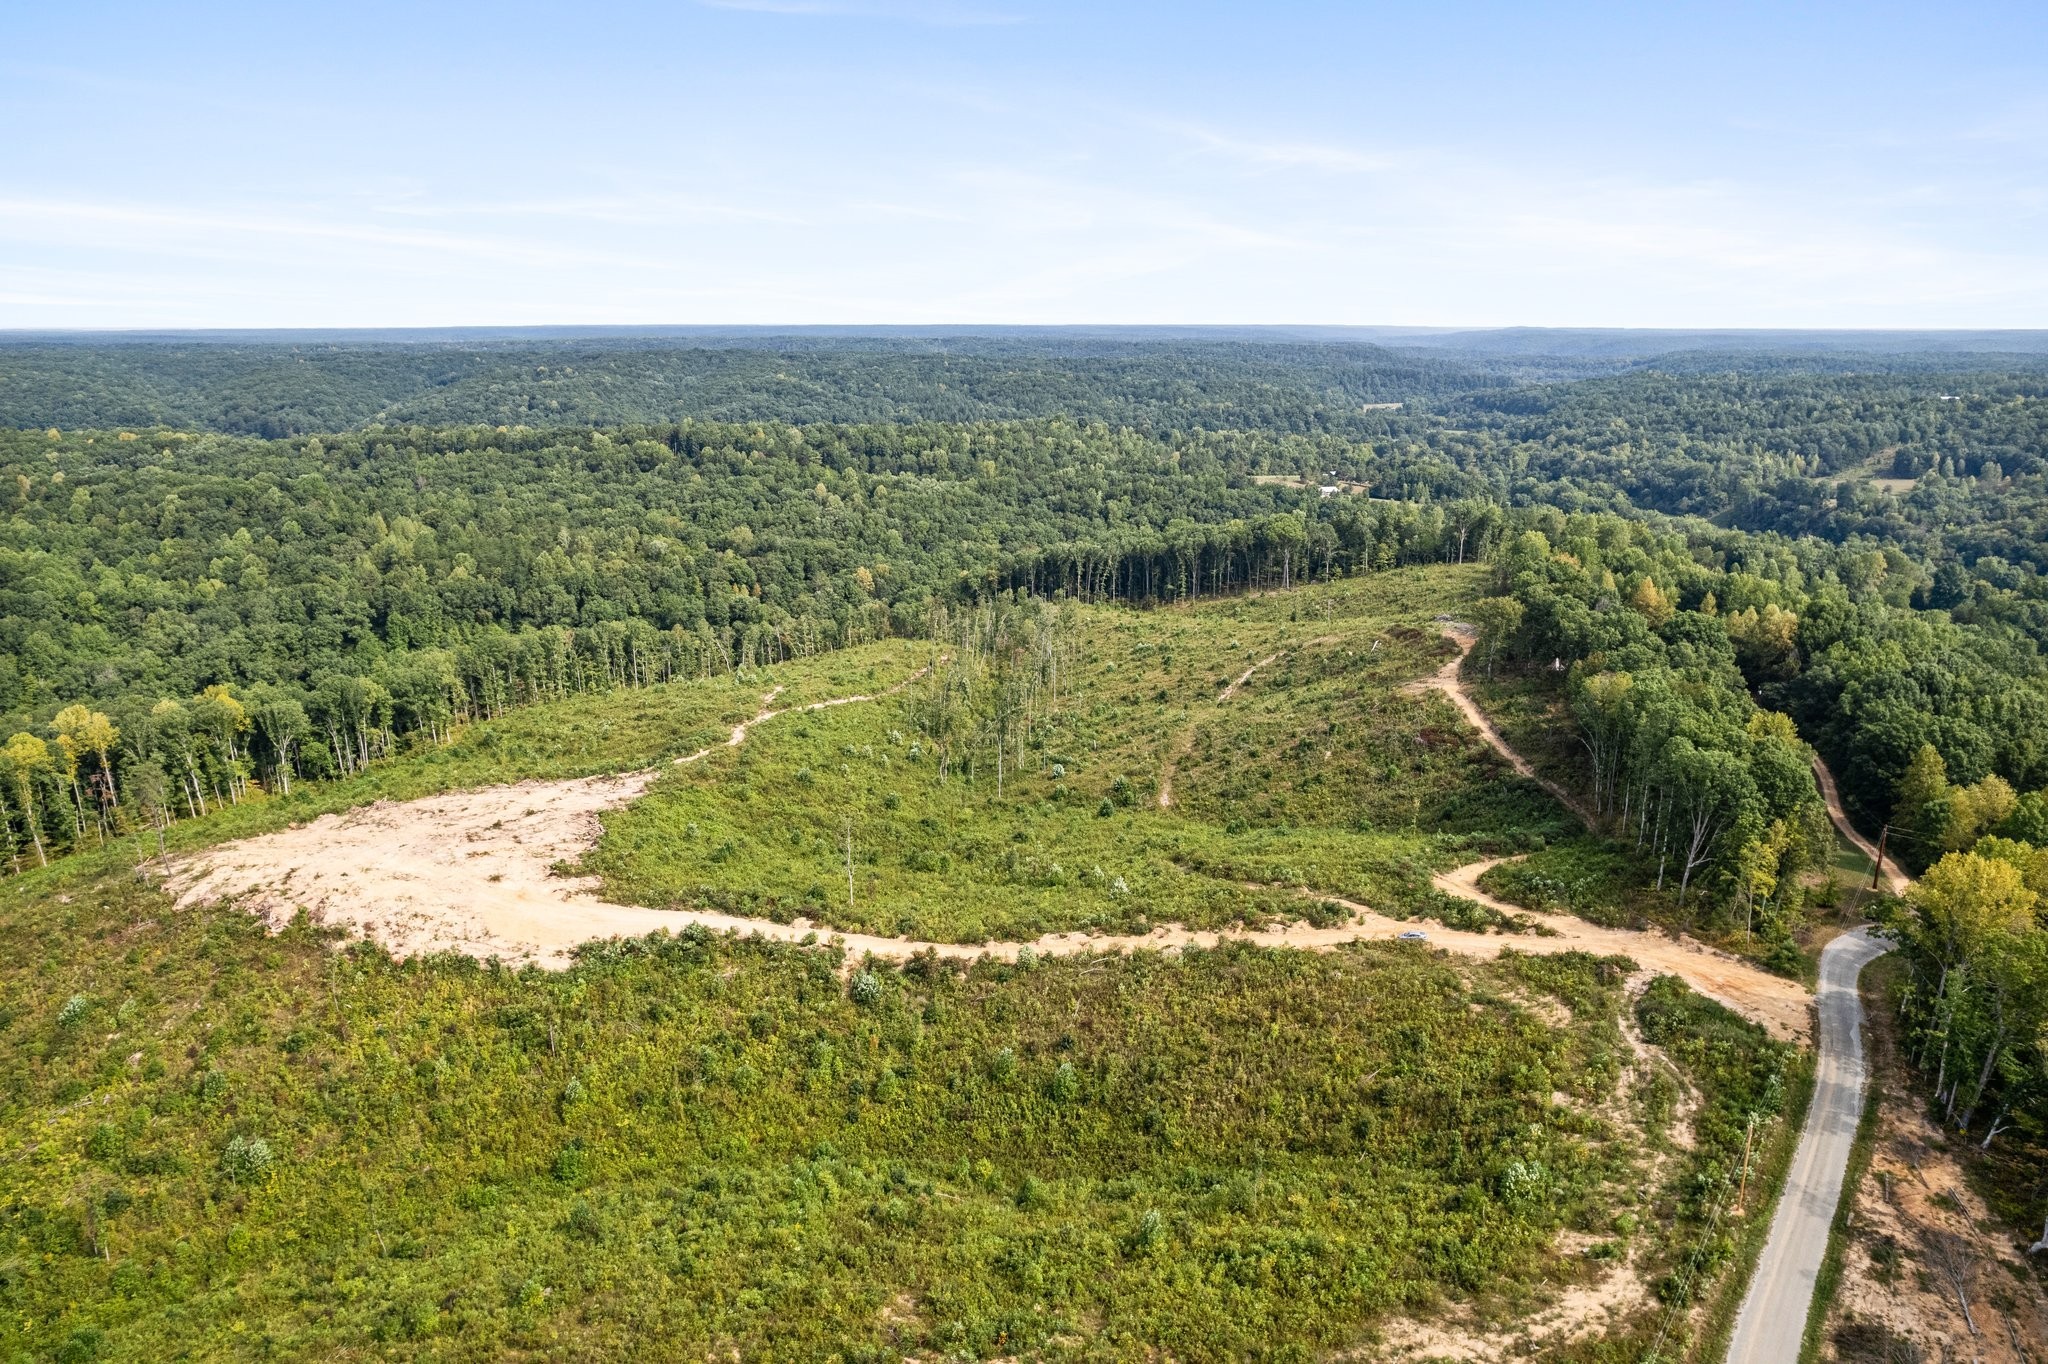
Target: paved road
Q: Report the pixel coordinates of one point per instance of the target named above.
(1773, 1316)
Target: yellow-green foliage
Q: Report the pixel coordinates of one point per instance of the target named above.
(219, 1144)
(1317, 774)
(243, 1144)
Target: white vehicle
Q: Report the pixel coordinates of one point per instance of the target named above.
(1414, 935)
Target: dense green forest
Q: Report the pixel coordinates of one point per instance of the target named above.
(1938, 729)
(273, 390)
(355, 590)
(230, 569)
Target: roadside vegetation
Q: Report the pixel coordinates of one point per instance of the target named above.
(232, 1144)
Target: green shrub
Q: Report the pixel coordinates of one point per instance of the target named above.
(247, 1160)
(571, 1165)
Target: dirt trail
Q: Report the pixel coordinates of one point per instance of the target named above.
(1779, 1004)
(739, 731)
(1186, 740)
(1897, 879)
(1574, 1312)
(1447, 681)
(473, 872)
(1243, 678)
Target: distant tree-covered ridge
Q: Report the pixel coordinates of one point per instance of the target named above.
(1932, 453)
(274, 389)
(146, 564)
(160, 561)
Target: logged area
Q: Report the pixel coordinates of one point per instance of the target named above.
(1075, 848)
(956, 869)
(1057, 1053)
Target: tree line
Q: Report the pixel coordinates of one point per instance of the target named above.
(1974, 933)
(396, 582)
(1679, 760)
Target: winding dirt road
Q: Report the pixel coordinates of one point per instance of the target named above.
(1897, 879)
(474, 872)
(1448, 681)
(1773, 1316)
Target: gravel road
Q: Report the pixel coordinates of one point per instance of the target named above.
(1773, 1316)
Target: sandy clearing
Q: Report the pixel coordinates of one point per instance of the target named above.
(470, 871)
(473, 872)
(1576, 1312)
(1779, 1004)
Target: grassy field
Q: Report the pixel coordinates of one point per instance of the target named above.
(1315, 775)
(220, 1144)
(223, 1144)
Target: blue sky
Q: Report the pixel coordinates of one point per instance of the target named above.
(848, 161)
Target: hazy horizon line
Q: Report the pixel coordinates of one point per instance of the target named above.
(978, 328)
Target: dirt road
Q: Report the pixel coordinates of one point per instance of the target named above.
(1833, 797)
(1447, 680)
(1779, 1004)
(1773, 1317)
(473, 872)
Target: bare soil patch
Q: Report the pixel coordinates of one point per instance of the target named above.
(476, 872)
(1784, 1006)
(1922, 1245)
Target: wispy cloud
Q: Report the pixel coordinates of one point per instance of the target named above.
(937, 12)
(156, 228)
(642, 209)
(1283, 154)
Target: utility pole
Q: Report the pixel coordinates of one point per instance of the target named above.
(1878, 870)
(849, 864)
